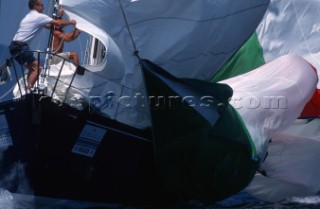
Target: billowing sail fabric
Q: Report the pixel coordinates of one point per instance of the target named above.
(290, 169)
(292, 27)
(247, 58)
(161, 29)
(263, 97)
(204, 157)
(292, 166)
(188, 38)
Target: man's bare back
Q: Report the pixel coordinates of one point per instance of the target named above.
(59, 36)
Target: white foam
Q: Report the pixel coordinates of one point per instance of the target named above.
(6, 199)
(305, 200)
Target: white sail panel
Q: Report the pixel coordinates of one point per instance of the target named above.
(292, 166)
(264, 97)
(190, 39)
(291, 27)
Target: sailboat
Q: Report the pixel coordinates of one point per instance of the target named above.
(140, 121)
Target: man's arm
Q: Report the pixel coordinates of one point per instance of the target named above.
(62, 23)
(71, 36)
(60, 14)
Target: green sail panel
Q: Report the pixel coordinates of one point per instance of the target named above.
(247, 58)
(197, 159)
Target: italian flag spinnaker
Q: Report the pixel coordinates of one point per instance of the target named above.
(281, 60)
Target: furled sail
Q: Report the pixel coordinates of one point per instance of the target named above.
(190, 39)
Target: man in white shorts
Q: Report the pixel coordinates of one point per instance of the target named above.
(59, 37)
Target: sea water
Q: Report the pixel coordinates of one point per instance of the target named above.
(241, 200)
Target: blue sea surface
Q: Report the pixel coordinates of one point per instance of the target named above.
(241, 200)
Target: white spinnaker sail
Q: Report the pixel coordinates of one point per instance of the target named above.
(188, 38)
(263, 97)
(292, 166)
(291, 27)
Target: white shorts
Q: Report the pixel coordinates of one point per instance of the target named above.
(56, 59)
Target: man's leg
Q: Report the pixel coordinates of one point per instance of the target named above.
(74, 56)
(34, 71)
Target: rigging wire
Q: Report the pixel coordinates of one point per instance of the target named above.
(46, 67)
(62, 41)
(136, 52)
(43, 37)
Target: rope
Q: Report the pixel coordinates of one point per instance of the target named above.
(47, 12)
(136, 52)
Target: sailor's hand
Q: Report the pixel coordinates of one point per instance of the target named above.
(73, 22)
(61, 11)
(78, 30)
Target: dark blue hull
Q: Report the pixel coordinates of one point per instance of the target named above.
(56, 151)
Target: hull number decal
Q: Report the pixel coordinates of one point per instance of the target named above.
(89, 140)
